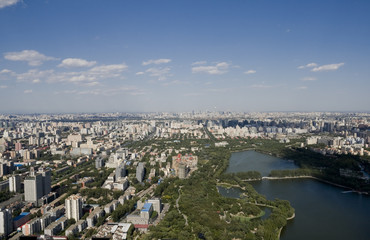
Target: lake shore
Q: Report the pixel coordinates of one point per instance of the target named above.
(280, 229)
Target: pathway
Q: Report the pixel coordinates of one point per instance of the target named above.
(178, 209)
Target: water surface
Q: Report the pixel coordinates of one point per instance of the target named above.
(323, 211)
(255, 161)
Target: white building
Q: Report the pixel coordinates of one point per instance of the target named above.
(74, 207)
(15, 183)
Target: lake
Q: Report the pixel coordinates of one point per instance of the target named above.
(322, 211)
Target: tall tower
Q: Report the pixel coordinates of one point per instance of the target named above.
(140, 172)
(33, 187)
(120, 171)
(15, 183)
(46, 181)
(74, 207)
(6, 222)
(181, 171)
(99, 162)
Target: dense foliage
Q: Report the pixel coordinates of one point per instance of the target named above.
(203, 213)
(5, 195)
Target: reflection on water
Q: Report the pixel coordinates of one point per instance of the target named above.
(255, 161)
(322, 211)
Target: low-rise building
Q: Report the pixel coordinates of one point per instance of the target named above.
(56, 227)
(94, 215)
(77, 227)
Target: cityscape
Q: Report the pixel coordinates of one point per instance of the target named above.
(184, 120)
(111, 175)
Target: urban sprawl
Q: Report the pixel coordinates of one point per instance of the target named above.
(98, 175)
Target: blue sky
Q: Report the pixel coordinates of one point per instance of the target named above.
(104, 56)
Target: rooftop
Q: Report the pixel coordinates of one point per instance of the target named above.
(23, 214)
(146, 207)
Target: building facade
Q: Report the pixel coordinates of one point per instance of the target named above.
(6, 222)
(15, 183)
(73, 206)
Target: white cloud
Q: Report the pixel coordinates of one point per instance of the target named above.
(140, 73)
(7, 3)
(91, 84)
(302, 87)
(156, 61)
(3, 86)
(4, 71)
(250, 71)
(219, 68)
(103, 69)
(217, 90)
(309, 79)
(261, 86)
(82, 78)
(161, 73)
(174, 82)
(328, 67)
(33, 74)
(33, 57)
(96, 74)
(28, 91)
(76, 62)
(309, 65)
(129, 90)
(199, 63)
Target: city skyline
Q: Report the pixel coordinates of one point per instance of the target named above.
(144, 56)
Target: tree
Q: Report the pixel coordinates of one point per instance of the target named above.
(72, 237)
(154, 215)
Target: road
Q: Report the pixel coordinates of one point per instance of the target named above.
(178, 209)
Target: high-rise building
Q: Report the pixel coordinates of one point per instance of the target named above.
(46, 181)
(181, 171)
(99, 162)
(6, 221)
(15, 183)
(140, 172)
(3, 169)
(33, 187)
(18, 146)
(120, 171)
(73, 206)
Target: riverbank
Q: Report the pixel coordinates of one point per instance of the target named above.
(228, 186)
(321, 179)
(242, 150)
(280, 229)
